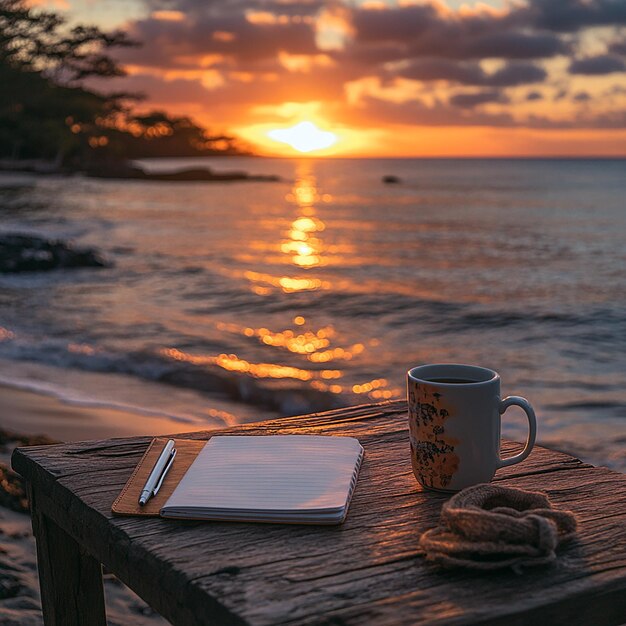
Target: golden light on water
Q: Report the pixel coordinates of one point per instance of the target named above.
(315, 345)
(233, 363)
(303, 253)
(304, 137)
(287, 284)
(303, 244)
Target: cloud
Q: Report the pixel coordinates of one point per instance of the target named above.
(235, 36)
(509, 45)
(444, 69)
(471, 73)
(618, 47)
(428, 29)
(571, 15)
(471, 100)
(514, 74)
(587, 120)
(209, 8)
(165, 92)
(424, 63)
(416, 112)
(597, 65)
(396, 24)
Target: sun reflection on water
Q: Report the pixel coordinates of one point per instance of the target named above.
(285, 283)
(315, 345)
(302, 242)
(302, 248)
(233, 363)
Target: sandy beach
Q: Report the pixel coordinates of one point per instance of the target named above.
(29, 416)
(26, 412)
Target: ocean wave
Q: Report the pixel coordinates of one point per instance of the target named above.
(283, 388)
(610, 407)
(590, 324)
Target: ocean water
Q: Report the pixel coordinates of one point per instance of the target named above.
(230, 302)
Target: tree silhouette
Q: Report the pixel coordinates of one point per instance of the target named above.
(47, 111)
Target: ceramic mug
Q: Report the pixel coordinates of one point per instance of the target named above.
(454, 425)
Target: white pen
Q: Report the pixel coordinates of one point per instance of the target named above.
(157, 475)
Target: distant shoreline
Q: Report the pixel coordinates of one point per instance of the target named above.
(313, 157)
(131, 171)
(128, 171)
(465, 157)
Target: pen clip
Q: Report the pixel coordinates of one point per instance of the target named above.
(165, 471)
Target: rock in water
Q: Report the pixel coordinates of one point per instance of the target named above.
(390, 179)
(27, 253)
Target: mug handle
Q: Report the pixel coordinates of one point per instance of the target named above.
(532, 428)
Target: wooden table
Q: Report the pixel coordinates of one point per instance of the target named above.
(366, 571)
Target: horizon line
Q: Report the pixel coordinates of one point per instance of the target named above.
(608, 157)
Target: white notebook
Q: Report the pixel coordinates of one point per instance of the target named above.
(307, 479)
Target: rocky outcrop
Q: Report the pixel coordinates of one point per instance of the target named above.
(27, 253)
(131, 172)
(125, 170)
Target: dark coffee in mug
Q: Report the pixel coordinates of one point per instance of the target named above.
(451, 381)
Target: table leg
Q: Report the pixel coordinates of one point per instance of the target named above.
(70, 579)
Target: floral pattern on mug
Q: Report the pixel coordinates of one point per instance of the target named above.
(432, 451)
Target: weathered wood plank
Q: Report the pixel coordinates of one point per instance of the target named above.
(368, 570)
(308, 564)
(383, 423)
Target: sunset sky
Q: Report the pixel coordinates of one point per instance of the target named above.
(388, 78)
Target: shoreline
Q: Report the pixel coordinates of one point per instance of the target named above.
(128, 170)
(26, 412)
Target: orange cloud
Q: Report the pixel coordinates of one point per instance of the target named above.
(168, 16)
(62, 5)
(304, 62)
(224, 35)
(404, 72)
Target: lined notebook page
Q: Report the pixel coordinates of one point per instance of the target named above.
(269, 478)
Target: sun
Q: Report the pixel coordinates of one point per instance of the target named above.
(304, 137)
